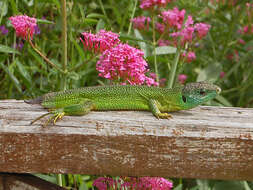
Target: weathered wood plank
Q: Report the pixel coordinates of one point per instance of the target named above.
(205, 142)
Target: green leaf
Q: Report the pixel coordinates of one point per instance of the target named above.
(13, 7)
(29, 2)
(100, 25)
(12, 77)
(210, 73)
(73, 75)
(7, 49)
(43, 21)
(202, 184)
(95, 15)
(78, 47)
(141, 44)
(4, 8)
(24, 73)
(231, 185)
(127, 37)
(90, 21)
(49, 178)
(223, 100)
(246, 185)
(83, 186)
(39, 60)
(179, 187)
(164, 50)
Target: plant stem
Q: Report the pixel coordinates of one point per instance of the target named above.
(154, 46)
(174, 67)
(132, 16)
(59, 180)
(81, 64)
(64, 44)
(103, 10)
(44, 57)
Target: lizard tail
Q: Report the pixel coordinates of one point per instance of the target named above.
(37, 100)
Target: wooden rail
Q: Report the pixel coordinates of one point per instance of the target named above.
(205, 142)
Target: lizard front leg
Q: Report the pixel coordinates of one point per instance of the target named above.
(154, 108)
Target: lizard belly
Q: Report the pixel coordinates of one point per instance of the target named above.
(120, 104)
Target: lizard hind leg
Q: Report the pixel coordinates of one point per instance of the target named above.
(81, 108)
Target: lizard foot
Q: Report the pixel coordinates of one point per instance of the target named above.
(164, 116)
(55, 117)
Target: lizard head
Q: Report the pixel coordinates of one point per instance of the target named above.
(194, 94)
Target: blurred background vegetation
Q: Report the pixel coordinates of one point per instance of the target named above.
(224, 56)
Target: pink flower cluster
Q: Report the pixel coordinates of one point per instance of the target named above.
(119, 62)
(187, 33)
(105, 183)
(25, 26)
(182, 78)
(160, 27)
(143, 183)
(246, 30)
(190, 56)
(173, 25)
(202, 29)
(147, 4)
(173, 18)
(99, 42)
(141, 22)
(125, 63)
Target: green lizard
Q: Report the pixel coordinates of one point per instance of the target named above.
(157, 100)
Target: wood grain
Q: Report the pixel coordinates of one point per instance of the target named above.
(205, 142)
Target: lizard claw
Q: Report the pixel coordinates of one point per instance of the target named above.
(58, 116)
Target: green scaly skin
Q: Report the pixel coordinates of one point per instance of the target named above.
(157, 100)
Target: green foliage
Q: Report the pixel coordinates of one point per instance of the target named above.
(23, 73)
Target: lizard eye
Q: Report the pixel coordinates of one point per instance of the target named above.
(202, 92)
(184, 98)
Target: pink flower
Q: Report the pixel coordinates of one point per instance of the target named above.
(147, 4)
(182, 78)
(162, 82)
(100, 42)
(105, 183)
(241, 41)
(164, 42)
(246, 29)
(190, 56)
(144, 183)
(24, 25)
(174, 18)
(124, 64)
(151, 81)
(189, 21)
(141, 22)
(202, 29)
(159, 27)
(19, 45)
(186, 33)
(222, 74)
(3, 30)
